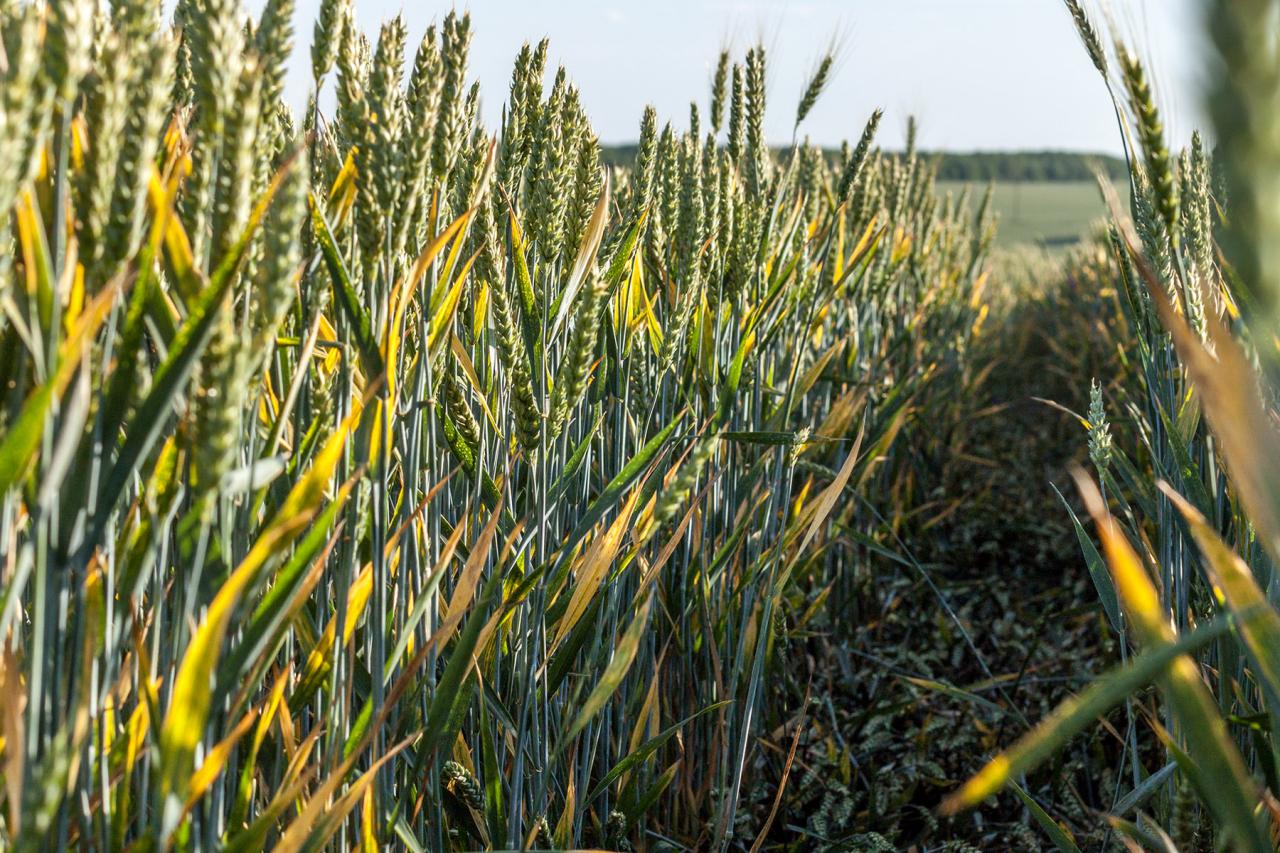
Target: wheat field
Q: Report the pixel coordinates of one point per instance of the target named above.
(375, 479)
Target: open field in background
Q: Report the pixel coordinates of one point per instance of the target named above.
(1054, 214)
(1043, 198)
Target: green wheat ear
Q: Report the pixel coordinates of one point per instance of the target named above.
(232, 197)
(718, 91)
(68, 45)
(1198, 222)
(378, 161)
(273, 40)
(542, 833)
(817, 84)
(553, 150)
(1088, 35)
(276, 276)
(737, 115)
(854, 168)
(217, 405)
(325, 37)
(758, 157)
(459, 781)
(1159, 165)
(106, 112)
(147, 112)
(450, 128)
(615, 831)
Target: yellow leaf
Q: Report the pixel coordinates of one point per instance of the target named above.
(1134, 588)
(185, 721)
(592, 567)
(216, 760)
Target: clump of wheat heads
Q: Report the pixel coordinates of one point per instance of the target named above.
(376, 477)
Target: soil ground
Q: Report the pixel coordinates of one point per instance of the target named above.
(944, 657)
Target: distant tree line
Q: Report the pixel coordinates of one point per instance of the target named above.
(1028, 166)
(980, 167)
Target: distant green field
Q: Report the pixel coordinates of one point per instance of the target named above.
(1053, 214)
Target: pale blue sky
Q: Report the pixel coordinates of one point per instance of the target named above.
(979, 74)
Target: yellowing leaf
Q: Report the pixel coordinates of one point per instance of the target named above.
(592, 568)
(189, 704)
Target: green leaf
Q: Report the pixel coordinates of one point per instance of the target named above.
(495, 816)
(623, 655)
(637, 809)
(568, 477)
(621, 482)
(449, 689)
(648, 748)
(362, 328)
(22, 439)
(1135, 833)
(152, 417)
(1097, 568)
(1059, 838)
(1139, 795)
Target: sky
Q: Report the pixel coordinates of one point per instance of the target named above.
(978, 74)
